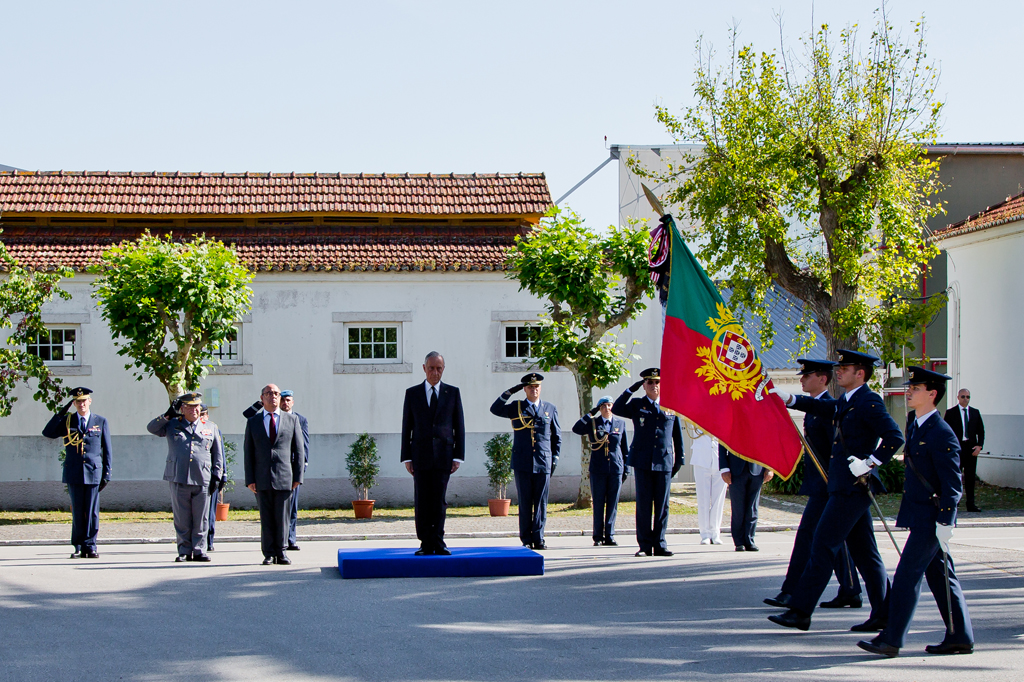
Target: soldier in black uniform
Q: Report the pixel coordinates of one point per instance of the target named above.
(86, 439)
(866, 438)
(536, 443)
(656, 456)
(820, 432)
(931, 490)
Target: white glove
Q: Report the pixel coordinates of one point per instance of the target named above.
(786, 397)
(858, 467)
(944, 535)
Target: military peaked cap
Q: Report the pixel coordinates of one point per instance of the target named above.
(80, 392)
(651, 373)
(854, 357)
(191, 398)
(532, 379)
(920, 375)
(812, 366)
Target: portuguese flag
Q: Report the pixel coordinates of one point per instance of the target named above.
(711, 374)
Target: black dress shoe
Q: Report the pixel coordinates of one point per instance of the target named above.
(643, 552)
(870, 625)
(598, 543)
(781, 601)
(282, 558)
(209, 545)
(196, 556)
(610, 542)
(792, 619)
(181, 559)
(663, 552)
(540, 545)
(423, 552)
(443, 551)
(880, 648)
(741, 548)
(76, 555)
(946, 648)
(753, 548)
(840, 601)
(293, 548)
(268, 560)
(974, 509)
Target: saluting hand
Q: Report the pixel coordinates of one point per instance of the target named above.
(636, 387)
(594, 411)
(515, 389)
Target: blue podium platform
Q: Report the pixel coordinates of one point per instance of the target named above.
(464, 562)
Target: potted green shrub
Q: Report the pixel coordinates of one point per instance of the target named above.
(363, 464)
(230, 449)
(499, 472)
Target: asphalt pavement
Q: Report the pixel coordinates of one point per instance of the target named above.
(597, 614)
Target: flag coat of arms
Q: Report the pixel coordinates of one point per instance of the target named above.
(712, 375)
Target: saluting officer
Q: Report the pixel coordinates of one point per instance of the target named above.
(866, 438)
(195, 467)
(536, 443)
(609, 446)
(86, 439)
(656, 456)
(931, 490)
(820, 431)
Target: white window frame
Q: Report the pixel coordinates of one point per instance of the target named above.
(77, 345)
(397, 326)
(237, 360)
(516, 324)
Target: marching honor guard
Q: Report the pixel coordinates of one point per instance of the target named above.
(866, 438)
(820, 432)
(86, 439)
(931, 490)
(536, 443)
(195, 467)
(656, 456)
(609, 446)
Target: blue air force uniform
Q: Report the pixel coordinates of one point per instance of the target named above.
(609, 447)
(87, 448)
(864, 430)
(820, 433)
(655, 455)
(536, 444)
(931, 490)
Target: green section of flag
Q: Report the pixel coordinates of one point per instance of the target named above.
(693, 297)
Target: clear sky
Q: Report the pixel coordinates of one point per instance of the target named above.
(420, 86)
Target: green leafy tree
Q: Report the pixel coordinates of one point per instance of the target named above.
(814, 177)
(499, 463)
(592, 283)
(169, 304)
(22, 296)
(363, 464)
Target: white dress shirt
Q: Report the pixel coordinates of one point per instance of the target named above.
(922, 420)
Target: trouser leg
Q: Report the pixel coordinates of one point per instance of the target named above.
(181, 509)
(969, 466)
(212, 519)
(92, 518)
(918, 552)
(802, 542)
(597, 491)
(524, 494)
(541, 484)
(846, 574)
(76, 491)
(612, 487)
(753, 494)
(200, 517)
(661, 490)
(644, 508)
(293, 517)
(265, 500)
(738, 510)
(864, 552)
(935, 574)
(702, 479)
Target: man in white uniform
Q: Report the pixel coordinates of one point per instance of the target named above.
(710, 487)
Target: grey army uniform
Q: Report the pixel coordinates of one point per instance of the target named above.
(195, 458)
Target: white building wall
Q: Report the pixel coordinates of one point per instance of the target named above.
(986, 340)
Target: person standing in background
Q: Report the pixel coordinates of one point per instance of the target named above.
(288, 405)
(609, 446)
(970, 432)
(710, 487)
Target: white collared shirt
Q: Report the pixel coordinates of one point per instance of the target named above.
(83, 419)
(922, 420)
(536, 405)
(427, 387)
(849, 394)
(266, 419)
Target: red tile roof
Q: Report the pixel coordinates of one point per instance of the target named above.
(223, 194)
(1008, 211)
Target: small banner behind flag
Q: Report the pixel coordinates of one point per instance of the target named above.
(711, 373)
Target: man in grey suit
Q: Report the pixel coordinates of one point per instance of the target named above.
(195, 466)
(274, 456)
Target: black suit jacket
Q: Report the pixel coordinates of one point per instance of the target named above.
(277, 465)
(975, 428)
(432, 440)
(737, 466)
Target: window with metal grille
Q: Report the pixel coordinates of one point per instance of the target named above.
(378, 343)
(519, 339)
(56, 346)
(229, 352)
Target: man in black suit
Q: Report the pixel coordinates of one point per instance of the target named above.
(433, 448)
(744, 480)
(274, 457)
(970, 433)
(86, 439)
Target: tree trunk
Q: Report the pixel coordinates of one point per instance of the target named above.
(585, 393)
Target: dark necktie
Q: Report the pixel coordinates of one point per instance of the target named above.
(273, 428)
(963, 412)
(81, 424)
(433, 398)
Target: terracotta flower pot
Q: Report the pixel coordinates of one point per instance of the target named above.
(363, 508)
(222, 511)
(499, 507)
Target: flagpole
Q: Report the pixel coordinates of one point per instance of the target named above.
(810, 451)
